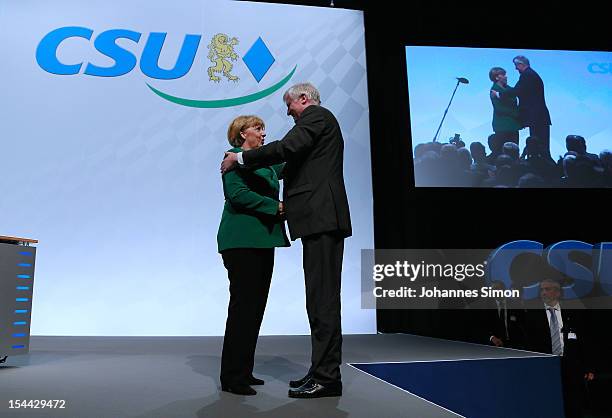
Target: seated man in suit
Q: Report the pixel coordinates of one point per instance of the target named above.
(561, 332)
(502, 322)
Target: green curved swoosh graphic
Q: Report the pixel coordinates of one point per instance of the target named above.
(234, 101)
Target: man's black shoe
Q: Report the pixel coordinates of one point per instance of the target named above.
(312, 389)
(300, 382)
(239, 389)
(255, 381)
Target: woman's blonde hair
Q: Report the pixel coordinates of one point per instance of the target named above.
(494, 72)
(238, 125)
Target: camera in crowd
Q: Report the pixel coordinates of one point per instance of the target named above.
(456, 140)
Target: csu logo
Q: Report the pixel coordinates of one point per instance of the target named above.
(600, 67)
(221, 53)
(588, 266)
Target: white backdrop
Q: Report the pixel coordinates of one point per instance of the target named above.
(122, 187)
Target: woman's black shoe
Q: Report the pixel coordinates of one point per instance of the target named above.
(255, 381)
(239, 389)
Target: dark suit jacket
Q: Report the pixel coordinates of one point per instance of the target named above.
(314, 193)
(532, 105)
(486, 322)
(495, 325)
(576, 352)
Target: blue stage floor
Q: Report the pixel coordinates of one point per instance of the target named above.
(527, 387)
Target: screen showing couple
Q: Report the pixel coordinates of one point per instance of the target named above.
(510, 118)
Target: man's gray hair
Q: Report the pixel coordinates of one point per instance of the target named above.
(520, 59)
(512, 149)
(553, 281)
(307, 89)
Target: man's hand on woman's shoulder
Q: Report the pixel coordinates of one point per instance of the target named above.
(229, 162)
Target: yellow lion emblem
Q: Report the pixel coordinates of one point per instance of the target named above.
(220, 50)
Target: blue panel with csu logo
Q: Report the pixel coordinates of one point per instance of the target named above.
(258, 59)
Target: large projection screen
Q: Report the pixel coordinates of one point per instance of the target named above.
(568, 92)
(121, 184)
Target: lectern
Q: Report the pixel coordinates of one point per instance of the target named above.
(17, 257)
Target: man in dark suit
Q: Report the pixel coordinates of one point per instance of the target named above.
(317, 211)
(500, 322)
(533, 112)
(561, 332)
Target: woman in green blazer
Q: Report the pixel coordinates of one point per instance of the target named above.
(506, 123)
(251, 227)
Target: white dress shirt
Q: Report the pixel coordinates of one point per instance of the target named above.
(557, 310)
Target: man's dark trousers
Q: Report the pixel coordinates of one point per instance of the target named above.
(542, 132)
(322, 273)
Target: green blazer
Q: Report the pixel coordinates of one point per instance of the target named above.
(505, 112)
(249, 217)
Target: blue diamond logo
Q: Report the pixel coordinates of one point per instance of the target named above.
(258, 59)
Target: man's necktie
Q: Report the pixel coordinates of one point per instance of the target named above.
(555, 337)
